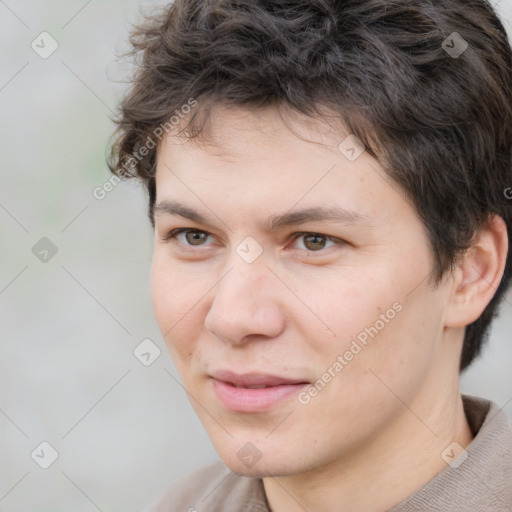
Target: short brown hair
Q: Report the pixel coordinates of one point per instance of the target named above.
(437, 116)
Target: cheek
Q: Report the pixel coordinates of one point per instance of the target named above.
(164, 284)
(177, 305)
(348, 305)
(359, 382)
(395, 356)
(378, 327)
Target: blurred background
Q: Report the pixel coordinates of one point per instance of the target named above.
(91, 414)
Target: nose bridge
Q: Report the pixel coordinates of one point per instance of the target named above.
(249, 275)
(244, 302)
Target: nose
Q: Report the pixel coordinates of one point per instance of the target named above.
(246, 305)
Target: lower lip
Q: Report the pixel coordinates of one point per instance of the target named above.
(253, 400)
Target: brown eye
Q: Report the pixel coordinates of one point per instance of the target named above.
(186, 236)
(195, 237)
(314, 242)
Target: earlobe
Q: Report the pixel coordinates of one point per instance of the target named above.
(479, 274)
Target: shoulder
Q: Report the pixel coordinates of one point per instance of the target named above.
(213, 488)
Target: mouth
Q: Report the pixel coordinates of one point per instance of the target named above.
(253, 392)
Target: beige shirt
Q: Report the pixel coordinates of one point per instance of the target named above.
(482, 483)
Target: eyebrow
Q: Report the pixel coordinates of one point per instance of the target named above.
(274, 222)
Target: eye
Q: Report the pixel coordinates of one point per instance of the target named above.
(315, 242)
(193, 237)
(309, 242)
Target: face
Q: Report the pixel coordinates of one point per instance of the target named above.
(290, 282)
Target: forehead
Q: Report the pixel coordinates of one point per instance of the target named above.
(262, 158)
(226, 132)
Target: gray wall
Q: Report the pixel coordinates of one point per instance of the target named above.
(70, 321)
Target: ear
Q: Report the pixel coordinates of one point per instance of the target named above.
(478, 275)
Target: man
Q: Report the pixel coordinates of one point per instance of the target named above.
(328, 186)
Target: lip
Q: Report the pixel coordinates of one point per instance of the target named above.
(234, 391)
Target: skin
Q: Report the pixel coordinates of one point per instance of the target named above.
(375, 433)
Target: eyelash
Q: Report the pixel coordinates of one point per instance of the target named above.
(171, 236)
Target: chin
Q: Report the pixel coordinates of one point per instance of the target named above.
(248, 461)
(261, 469)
